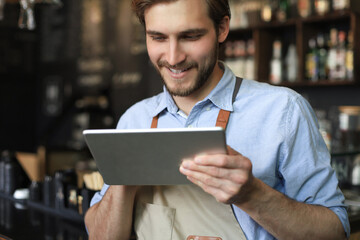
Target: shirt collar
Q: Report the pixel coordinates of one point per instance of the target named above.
(220, 96)
(166, 101)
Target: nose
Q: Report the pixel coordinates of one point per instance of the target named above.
(176, 53)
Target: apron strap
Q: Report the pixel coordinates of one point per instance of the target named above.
(154, 122)
(223, 116)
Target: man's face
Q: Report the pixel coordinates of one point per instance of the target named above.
(182, 44)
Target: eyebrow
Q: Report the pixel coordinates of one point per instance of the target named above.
(189, 31)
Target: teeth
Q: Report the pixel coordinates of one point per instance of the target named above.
(177, 71)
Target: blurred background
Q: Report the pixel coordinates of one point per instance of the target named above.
(66, 66)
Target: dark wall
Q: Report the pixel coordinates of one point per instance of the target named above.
(18, 84)
(82, 67)
(325, 97)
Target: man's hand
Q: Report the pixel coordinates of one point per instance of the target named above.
(227, 177)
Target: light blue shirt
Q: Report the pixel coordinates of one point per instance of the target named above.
(274, 127)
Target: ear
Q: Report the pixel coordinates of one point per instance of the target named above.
(224, 29)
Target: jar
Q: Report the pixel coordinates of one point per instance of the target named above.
(305, 8)
(341, 4)
(322, 6)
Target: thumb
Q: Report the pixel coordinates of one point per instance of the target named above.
(232, 151)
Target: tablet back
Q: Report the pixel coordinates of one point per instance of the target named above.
(150, 156)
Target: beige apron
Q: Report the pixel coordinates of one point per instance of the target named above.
(176, 212)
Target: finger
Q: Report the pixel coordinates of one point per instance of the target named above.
(224, 161)
(235, 176)
(229, 183)
(210, 170)
(220, 194)
(209, 189)
(200, 178)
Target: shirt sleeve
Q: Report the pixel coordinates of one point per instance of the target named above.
(99, 195)
(305, 163)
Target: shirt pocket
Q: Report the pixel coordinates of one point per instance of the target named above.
(154, 222)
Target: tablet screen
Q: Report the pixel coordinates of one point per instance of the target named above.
(150, 156)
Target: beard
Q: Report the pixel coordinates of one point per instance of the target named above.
(204, 72)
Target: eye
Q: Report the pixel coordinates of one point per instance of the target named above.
(158, 38)
(192, 37)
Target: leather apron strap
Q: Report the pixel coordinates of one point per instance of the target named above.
(223, 116)
(154, 122)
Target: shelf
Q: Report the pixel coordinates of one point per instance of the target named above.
(275, 24)
(298, 31)
(63, 213)
(266, 25)
(339, 153)
(331, 16)
(10, 197)
(320, 83)
(67, 214)
(292, 22)
(241, 30)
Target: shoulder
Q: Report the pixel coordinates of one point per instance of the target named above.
(266, 95)
(141, 113)
(271, 106)
(251, 87)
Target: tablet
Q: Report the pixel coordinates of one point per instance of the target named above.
(150, 156)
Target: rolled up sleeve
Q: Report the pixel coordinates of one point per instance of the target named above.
(305, 165)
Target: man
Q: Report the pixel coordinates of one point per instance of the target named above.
(275, 182)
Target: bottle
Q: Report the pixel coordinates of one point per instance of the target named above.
(305, 8)
(233, 19)
(291, 63)
(322, 57)
(48, 191)
(239, 14)
(349, 63)
(341, 57)
(3, 159)
(324, 127)
(250, 62)
(243, 16)
(229, 55)
(331, 60)
(59, 190)
(341, 4)
(2, 7)
(11, 172)
(322, 6)
(35, 191)
(349, 124)
(267, 11)
(282, 13)
(312, 62)
(276, 63)
(240, 57)
(293, 9)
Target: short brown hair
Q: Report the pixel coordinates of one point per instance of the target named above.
(218, 9)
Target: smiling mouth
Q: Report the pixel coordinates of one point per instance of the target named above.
(178, 71)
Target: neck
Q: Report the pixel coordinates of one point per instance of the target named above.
(188, 102)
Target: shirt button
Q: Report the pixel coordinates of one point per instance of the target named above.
(190, 126)
(208, 109)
